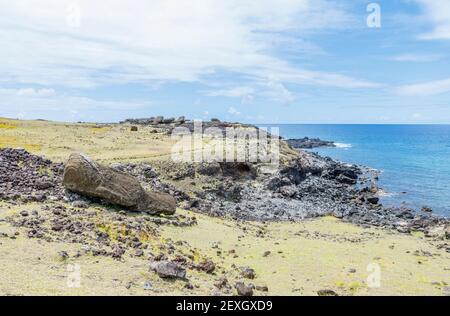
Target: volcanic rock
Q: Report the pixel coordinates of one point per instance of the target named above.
(167, 270)
(86, 177)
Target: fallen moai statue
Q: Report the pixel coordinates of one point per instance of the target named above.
(86, 177)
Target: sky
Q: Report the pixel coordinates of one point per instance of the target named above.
(256, 61)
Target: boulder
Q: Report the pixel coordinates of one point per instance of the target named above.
(88, 178)
(158, 120)
(181, 120)
(373, 199)
(427, 209)
(134, 128)
(168, 120)
(248, 273)
(327, 293)
(243, 289)
(168, 270)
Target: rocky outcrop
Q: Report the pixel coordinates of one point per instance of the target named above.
(309, 143)
(86, 177)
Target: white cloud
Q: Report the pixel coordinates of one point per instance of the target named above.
(244, 92)
(137, 41)
(233, 111)
(426, 88)
(417, 58)
(279, 92)
(232, 92)
(437, 12)
(31, 92)
(30, 103)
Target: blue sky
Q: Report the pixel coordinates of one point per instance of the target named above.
(260, 61)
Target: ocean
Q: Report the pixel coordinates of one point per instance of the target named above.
(414, 160)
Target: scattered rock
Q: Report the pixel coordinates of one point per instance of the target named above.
(207, 266)
(80, 204)
(248, 273)
(188, 286)
(326, 293)
(63, 255)
(29, 178)
(262, 288)
(221, 283)
(117, 252)
(168, 269)
(427, 209)
(148, 286)
(243, 289)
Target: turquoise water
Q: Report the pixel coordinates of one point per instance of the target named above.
(414, 159)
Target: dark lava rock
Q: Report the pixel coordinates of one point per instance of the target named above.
(248, 273)
(117, 252)
(238, 170)
(207, 266)
(209, 169)
(63, 255)
(243, 290)
(309, 143)
(346, 180)
(373, 199)
(262, 288)
(168, 270)
(327, 293)
(222, 283)
(29, 177)
(427, 209)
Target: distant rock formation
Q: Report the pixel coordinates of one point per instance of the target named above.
(158, 120)
(309, 143)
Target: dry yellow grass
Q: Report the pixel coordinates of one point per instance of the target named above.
(304, 258)
(112, 142)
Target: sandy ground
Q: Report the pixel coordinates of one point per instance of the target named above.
(304, 257)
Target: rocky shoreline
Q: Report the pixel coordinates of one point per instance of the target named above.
(306, 187)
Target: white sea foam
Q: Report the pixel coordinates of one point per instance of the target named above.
(342, 145)
(383, 193)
